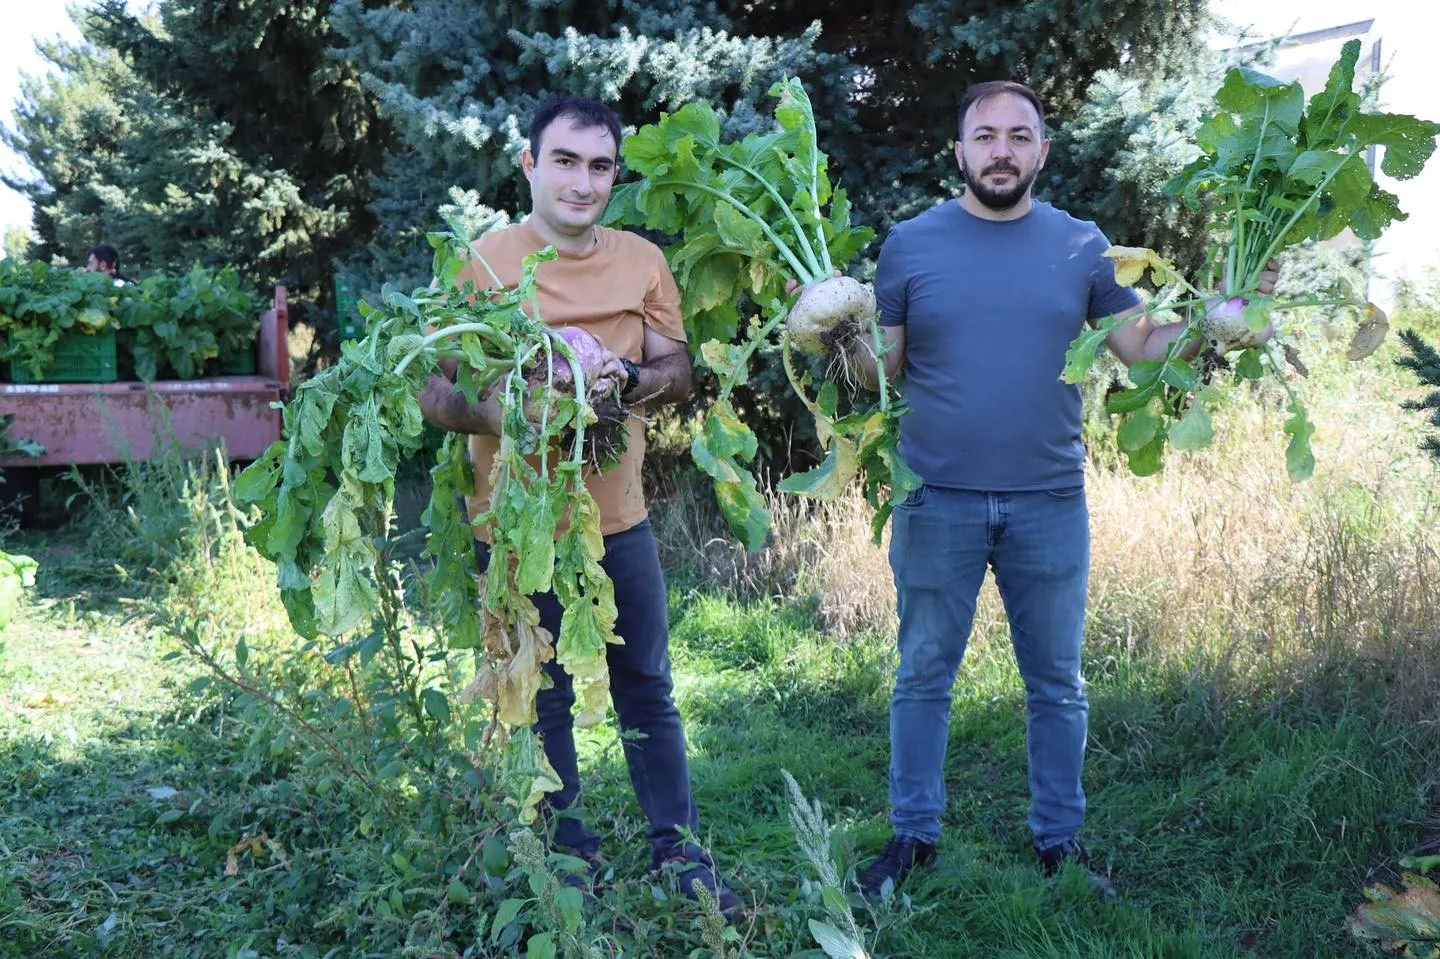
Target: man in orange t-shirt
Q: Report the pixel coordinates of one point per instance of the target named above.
(619, 288)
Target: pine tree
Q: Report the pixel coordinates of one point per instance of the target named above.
(1423, 360)
(214, 132)
(458, 82)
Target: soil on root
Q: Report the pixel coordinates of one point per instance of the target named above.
(606, 438)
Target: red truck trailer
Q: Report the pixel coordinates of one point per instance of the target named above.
(94, 423)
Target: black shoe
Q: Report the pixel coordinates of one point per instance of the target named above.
(901, 855)
(693, 865)
(1052, 858)
(583, 877)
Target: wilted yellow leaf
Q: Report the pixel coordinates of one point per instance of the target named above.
(511, 684)
(1131, 263)
(1369, 334)
(1408, 920)
(255, 845)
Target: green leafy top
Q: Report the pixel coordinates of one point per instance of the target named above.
(1283, 172)
(751, 213)
(325, 495)
(751, 216)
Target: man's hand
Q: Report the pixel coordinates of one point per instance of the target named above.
(444, 406)
(1269, 278)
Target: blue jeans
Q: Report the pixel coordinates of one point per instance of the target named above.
(640, 687)
(1038, 544)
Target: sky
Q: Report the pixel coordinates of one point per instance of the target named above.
(24, 22)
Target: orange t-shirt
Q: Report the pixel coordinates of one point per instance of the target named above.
(613, 292)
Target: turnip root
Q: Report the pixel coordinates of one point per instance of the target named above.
(1224, 327)
(604, 438)
(829, 314)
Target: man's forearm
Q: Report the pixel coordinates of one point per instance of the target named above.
(446, 407)
(662, 381)
(1157, 344)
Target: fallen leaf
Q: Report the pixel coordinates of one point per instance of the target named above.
(1292, 356)
(256, 845)
(1369, 334)
(1408, 920)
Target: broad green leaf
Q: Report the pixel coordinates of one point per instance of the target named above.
(1147, 460)
(726, 435)
(1137, 430)
(739, 232)
(436, 705)
(345, 594)
(1254, 94)
(836, 944)
(258, 481)
(1128, 401)
(831, 479)
(727, 361)
(1332, 106)
(1408, 142)
(1193, 430)
(571, 903)
(541, 946)
(1080, 355)
(536, 547)
(1257, 313)
(506, 914)
(1145, 373)
(1299, 459)
(1180, 374)
(1248, 366)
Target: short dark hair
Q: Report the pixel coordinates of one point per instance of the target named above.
(106, 254)
(583, 111)
(977, 92)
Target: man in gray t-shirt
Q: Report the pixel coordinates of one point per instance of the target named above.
(979, 298)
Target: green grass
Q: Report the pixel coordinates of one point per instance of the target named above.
(1247, 828)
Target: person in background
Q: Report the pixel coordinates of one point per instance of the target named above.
(104, 258)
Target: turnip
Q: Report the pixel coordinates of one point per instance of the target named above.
(758, 220)
(1276, 172)
(604, 438)
(829, 315)
(1224, 328)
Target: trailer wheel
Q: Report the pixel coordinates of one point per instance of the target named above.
(19, 495)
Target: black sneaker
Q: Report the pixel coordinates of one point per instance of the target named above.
(901, 855)
(586, 877)
(694, 865)
(1052, 858)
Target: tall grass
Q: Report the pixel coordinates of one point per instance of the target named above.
(1219, 566)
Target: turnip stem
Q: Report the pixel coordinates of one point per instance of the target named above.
(879, 348)
(769, 188)
(748, 350)
(802, 273)
(500, 339)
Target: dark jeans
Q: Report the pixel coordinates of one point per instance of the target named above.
(640, 687)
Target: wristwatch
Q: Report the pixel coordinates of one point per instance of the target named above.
(632, 377)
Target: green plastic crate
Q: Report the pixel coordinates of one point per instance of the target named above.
(347, 311)
(237, 364)
(79, 358)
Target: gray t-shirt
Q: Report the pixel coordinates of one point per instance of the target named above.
(989, 308)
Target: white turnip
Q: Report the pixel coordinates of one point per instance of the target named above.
(829, 314)
(1225, 329)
